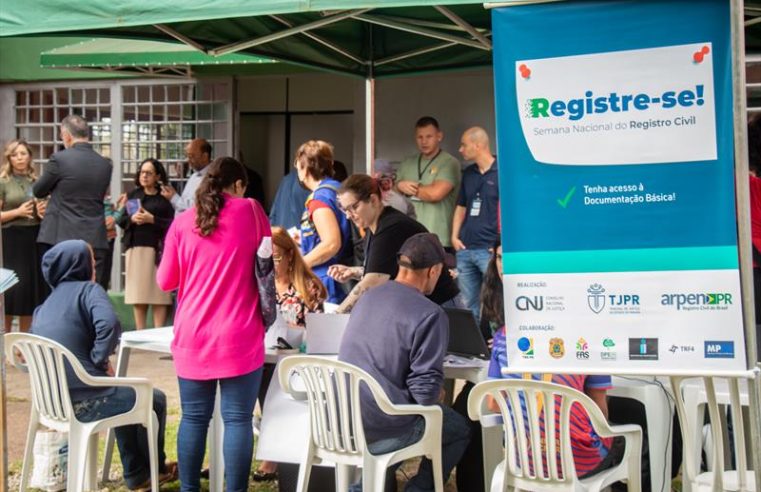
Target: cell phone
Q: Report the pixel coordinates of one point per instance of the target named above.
(282, 343)
(133, 205)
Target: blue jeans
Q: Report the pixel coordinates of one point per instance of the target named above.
(455, 436)
(132, 440)
(238, 396)
(471, 268)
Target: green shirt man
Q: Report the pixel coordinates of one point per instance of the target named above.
(431, 180)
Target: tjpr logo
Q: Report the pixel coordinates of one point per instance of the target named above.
(617, 303)
(557, 348)
(528, 303)
(526, 346)
(582, 349)
(596, 298)
(643, 349)
(719, 349)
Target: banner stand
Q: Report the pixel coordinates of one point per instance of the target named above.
(535, 59)
(743, 225)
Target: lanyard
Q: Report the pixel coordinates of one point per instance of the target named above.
(419, 158)
(483, 179)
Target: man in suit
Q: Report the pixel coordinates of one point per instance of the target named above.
(76, 178)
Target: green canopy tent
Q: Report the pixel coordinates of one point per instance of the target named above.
(367, 39)
(151, 58)
(361, 38)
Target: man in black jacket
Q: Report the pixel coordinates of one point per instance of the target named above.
(76, 179)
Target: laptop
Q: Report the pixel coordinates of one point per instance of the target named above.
(324, 332)
(465, 338)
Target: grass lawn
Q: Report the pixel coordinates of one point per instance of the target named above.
(172, 425)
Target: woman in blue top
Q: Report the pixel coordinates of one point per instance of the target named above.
(325, 230)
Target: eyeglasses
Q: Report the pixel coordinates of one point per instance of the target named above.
(147, 173)
(351, 209)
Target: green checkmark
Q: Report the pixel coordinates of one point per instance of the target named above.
(564, 202)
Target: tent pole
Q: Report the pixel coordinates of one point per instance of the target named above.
(740, 121)
(325, 21)
(369, 124)
(431, 33)
(180, 37)
(321, 40)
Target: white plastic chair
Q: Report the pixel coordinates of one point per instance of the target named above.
(332, 390)
(526, 443)
(690, 399)
(52, 408)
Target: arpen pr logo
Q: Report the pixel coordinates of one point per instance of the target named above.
(526, 346)
(582, 349)
(698, 301)
(719, 349)
(596, 298)
(643, 349)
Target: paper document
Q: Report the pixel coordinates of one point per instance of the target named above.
(8, 279)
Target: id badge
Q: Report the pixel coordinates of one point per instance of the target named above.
(475, 208)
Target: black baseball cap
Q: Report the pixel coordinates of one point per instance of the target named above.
(423, 250)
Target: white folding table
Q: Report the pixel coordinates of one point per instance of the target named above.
(159, 340)
(283, 412)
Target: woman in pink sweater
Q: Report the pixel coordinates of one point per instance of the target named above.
(209, 256)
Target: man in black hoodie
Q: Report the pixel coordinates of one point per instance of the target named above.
(79, 315)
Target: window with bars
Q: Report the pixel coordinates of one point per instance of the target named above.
(159, 120)
(129, 122)
(39, 113)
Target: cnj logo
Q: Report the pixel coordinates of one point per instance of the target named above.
(697, 301)
(719, 349)
(526, 346)
(582, 349)
(528, 303)
(643, 349)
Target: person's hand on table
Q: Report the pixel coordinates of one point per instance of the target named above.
(342, 273)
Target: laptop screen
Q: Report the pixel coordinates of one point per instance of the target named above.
(465, 337)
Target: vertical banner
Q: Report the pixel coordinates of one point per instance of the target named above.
(616, 156)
